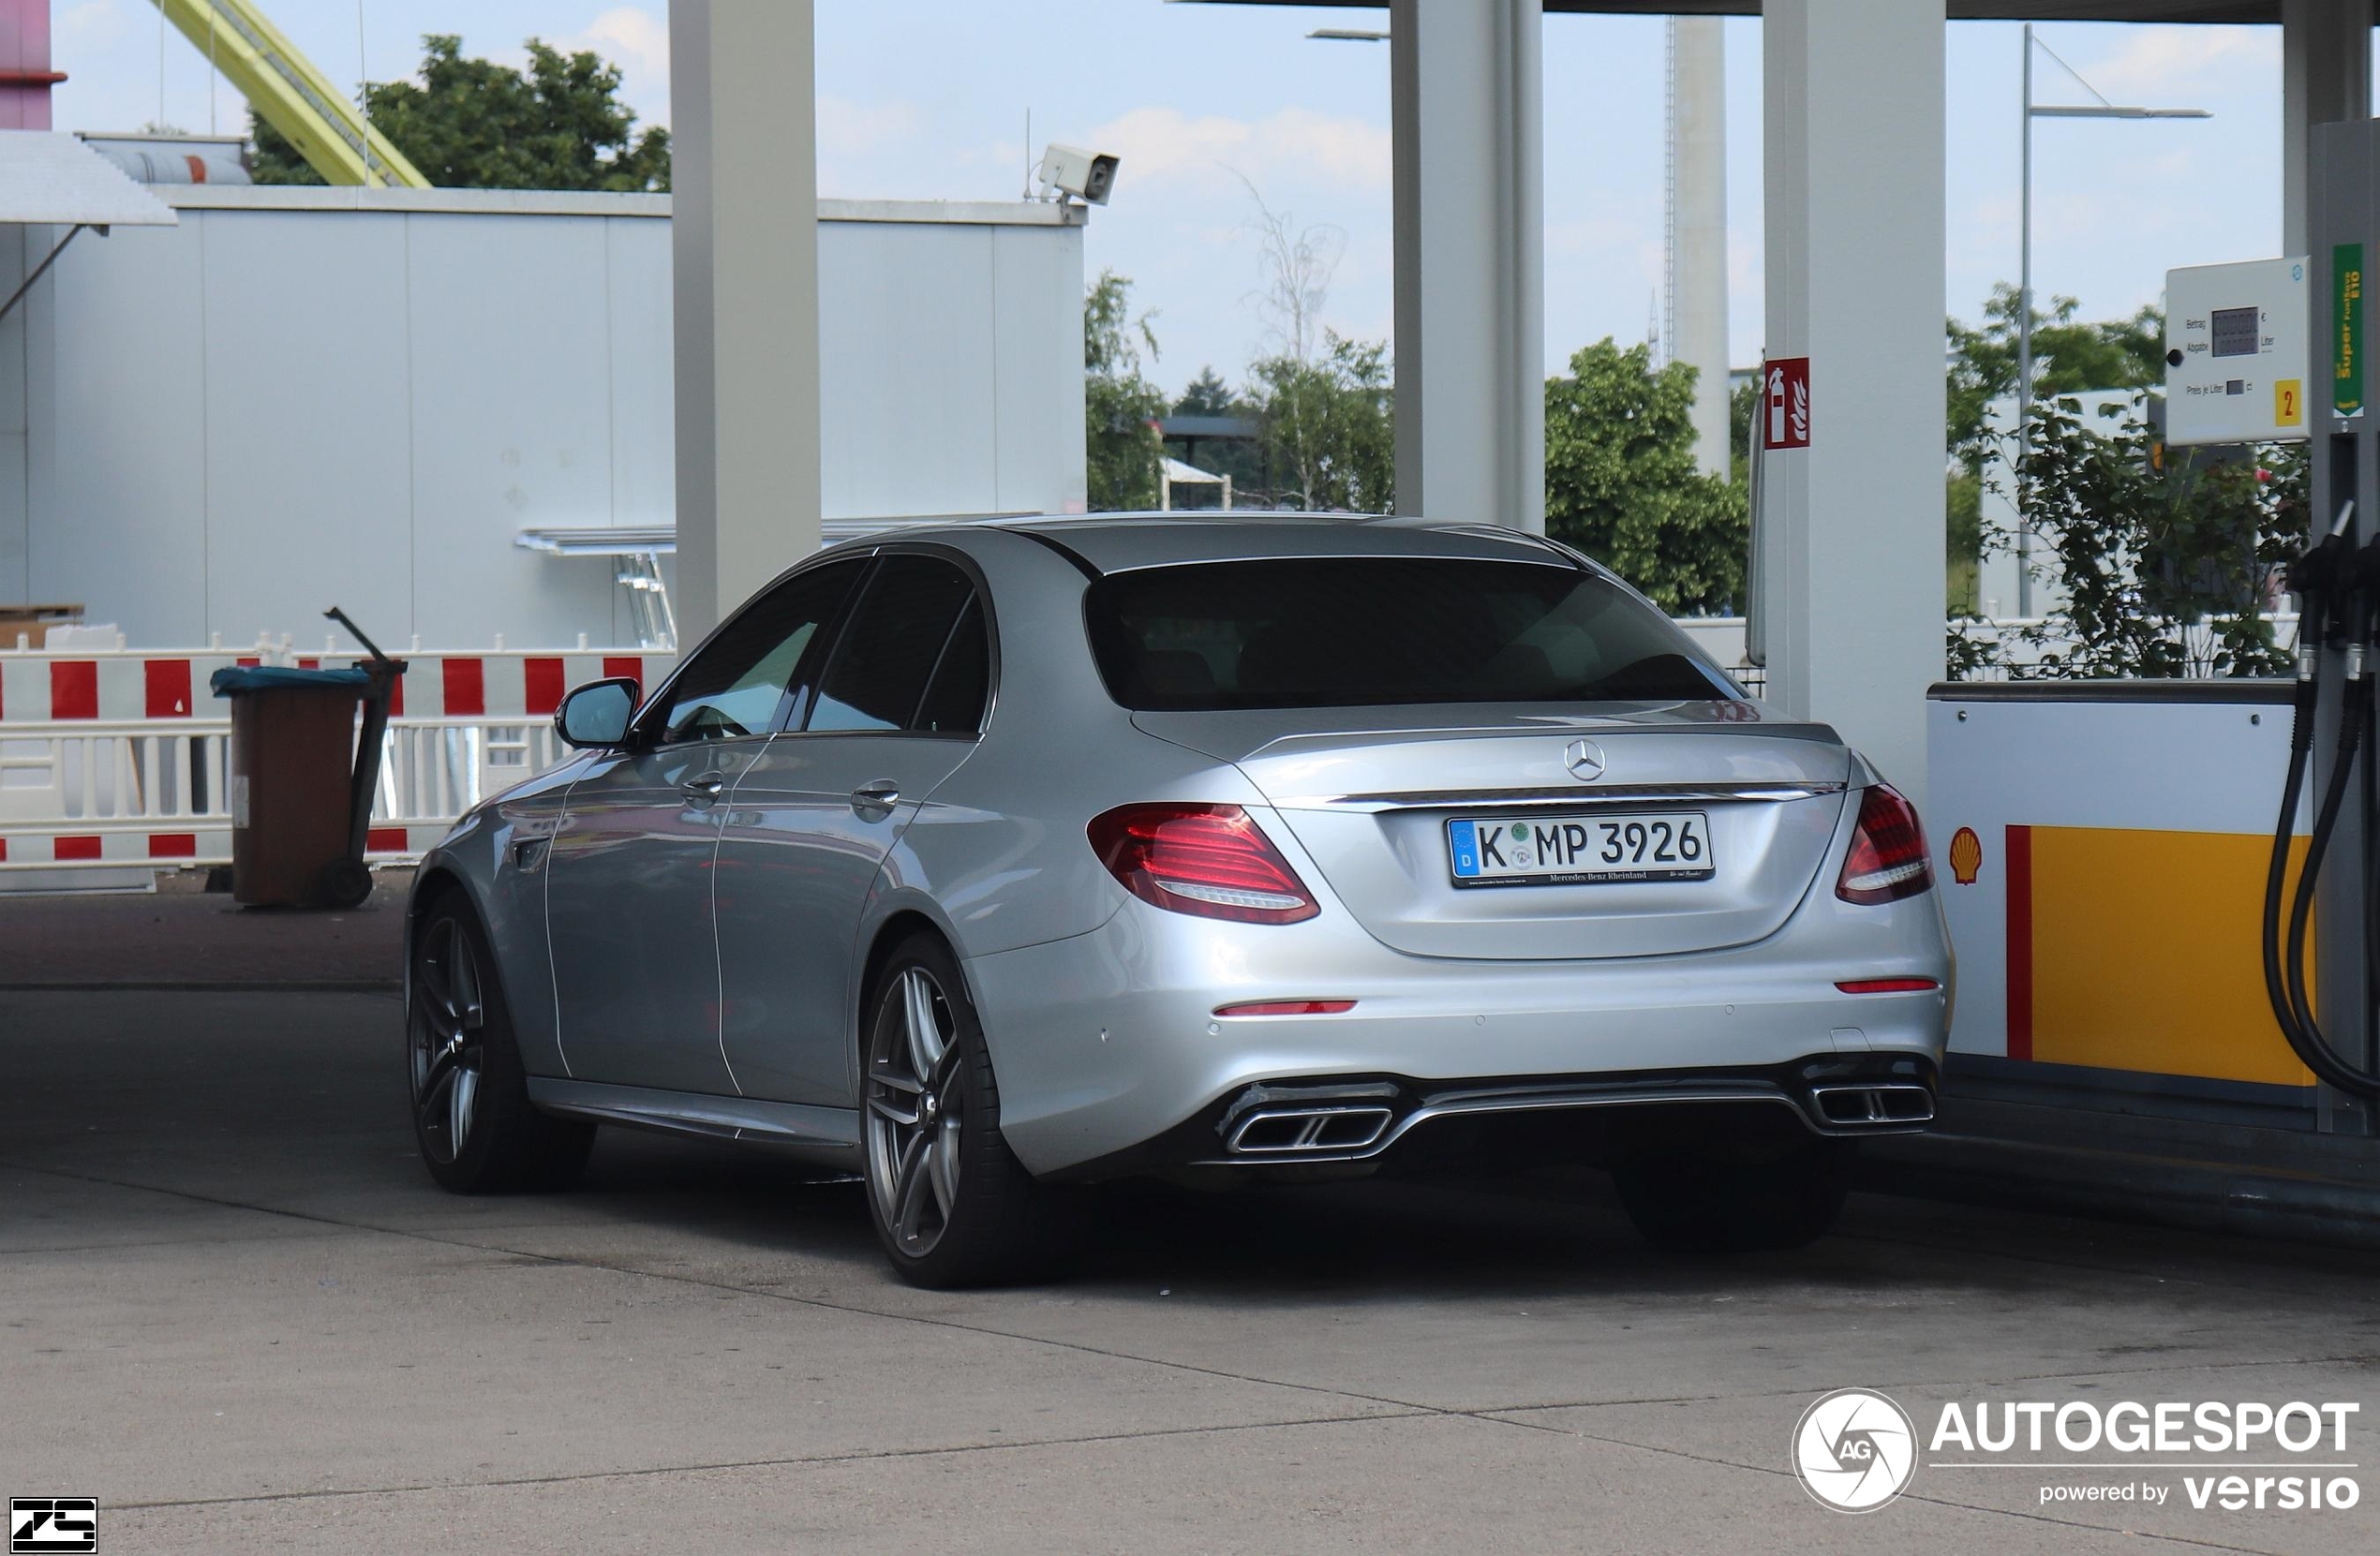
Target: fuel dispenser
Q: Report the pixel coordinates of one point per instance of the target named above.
(2328, 1013)
(2166, 893)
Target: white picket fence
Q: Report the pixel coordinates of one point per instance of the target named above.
(120, 759)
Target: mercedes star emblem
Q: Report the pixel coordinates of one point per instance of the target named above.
(1584, 759)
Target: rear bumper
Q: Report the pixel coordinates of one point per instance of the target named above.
(1111, 1061)
(1362, 1119)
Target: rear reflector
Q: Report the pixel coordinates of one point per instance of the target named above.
(1211, 860)
(1887, 857)
(1287, 1007)
(1887, 986)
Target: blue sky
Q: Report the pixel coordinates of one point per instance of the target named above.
(927, 99)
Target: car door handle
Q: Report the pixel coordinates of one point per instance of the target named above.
(883, 795)
(704, 790)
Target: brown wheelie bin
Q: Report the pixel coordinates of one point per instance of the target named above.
(303, 778)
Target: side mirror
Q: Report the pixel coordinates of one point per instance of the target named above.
(596, 715)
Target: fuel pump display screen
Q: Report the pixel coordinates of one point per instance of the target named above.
(2235, 332)
(2237, 350)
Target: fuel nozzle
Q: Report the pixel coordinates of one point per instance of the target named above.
(2361, 583)
(2325, 578)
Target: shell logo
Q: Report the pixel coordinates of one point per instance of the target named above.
(1966, 855)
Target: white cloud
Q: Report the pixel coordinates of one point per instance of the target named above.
(637, 41)
(2159, 65)
(90, 23)
(631, 36)
(1164, 146)
(856, 131)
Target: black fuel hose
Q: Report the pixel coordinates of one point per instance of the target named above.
(2284, 975)
(2276, 872)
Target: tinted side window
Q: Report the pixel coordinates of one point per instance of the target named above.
(886, 656)
(954, 702)
(736, 685)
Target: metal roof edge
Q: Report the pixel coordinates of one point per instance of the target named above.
(574, 202)
(316, 197)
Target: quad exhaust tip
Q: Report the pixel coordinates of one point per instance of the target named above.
(1873, 1107)
(1309, 1131)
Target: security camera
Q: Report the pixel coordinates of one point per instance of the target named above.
(1070, 171)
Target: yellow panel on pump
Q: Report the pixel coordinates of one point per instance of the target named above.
(2140, 952)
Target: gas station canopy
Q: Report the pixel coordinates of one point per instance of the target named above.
(2229, 11)
(56, 181)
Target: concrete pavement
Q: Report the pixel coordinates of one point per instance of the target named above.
(234, 1309)
(183, 936)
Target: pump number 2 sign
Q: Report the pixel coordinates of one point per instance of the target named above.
(1785, 402)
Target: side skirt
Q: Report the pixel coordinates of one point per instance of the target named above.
(826, 1134)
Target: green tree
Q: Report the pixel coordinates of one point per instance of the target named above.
(1621, 483)
(1241, 458)
(1327, 429)
(1119, 407)
(2068, 359)
(1327, 426)
(471, 124)
(1207, 395)
(2166, 569)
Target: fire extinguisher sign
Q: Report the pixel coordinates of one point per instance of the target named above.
(1785, 402)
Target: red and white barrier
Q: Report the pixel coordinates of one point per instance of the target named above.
(120, 758)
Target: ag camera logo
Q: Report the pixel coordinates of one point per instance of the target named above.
(1854, 1450)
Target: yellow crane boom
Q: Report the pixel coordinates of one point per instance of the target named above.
(291, 94)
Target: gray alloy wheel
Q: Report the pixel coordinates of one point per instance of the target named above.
(448, 1042)
(915, 1113)
(477, 1129)
(952, 1206)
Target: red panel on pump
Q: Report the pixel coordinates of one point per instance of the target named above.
(2020, 942)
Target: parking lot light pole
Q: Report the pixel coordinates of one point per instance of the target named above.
(2101, 110)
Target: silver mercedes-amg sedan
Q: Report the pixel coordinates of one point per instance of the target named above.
(996, 858)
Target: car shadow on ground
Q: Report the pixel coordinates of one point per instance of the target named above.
(1533, 1234)
(294, 1104)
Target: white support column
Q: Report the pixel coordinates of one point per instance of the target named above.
(1852, 536)
(1698, 224)
(744, 244)
(1469, 121)
(2326, 78)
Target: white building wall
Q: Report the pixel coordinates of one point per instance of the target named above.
(16, 253)
(305, 397)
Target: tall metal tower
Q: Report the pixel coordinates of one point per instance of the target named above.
(1694, 227)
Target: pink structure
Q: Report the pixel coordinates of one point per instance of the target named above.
(25, 76)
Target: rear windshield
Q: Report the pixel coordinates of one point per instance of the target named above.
(1355, 632)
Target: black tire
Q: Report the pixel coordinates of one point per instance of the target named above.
(1689, 1202)
(951, 1203)
(464, 1067)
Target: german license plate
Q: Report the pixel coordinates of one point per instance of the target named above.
(1579, 851)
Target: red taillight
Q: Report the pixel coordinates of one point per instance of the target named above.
(1287, 1007)
(1887, 986)
(1205, 859)
(1887, 860)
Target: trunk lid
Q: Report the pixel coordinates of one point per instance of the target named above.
(1369, 793)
